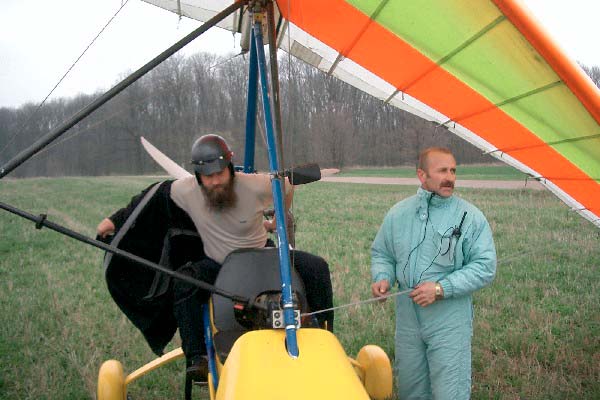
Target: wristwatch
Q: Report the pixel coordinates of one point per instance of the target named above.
(439, 291)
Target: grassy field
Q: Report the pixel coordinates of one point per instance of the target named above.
(536, 328)
(487, 172)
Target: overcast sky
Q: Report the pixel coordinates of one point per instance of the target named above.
(40, 39)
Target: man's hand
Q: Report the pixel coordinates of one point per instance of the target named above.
(270, 225)
(105, 228)
(380, 288)
(423, 294)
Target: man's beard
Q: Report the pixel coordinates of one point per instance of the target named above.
(220, 200)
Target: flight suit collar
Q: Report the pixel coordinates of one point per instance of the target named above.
(436, 201)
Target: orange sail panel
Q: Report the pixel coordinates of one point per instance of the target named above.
(469, 62)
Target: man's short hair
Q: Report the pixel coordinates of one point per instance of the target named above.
(424, 155)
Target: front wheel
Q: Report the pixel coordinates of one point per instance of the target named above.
(378, 371)
(111, 381)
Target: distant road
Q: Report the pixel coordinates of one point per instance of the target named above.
(530, 184)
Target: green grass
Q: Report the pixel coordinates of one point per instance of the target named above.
(536, 328)
(475, 172)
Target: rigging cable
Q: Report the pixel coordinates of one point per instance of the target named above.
(26, 123)
(289, 104)
(360, 302)
(220, 63)
(292, 220)
(374, 299)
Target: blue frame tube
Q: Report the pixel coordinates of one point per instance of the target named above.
(277, 185)
(210, 348)
(251, 109)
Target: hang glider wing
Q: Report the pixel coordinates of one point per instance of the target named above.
(170, 166)
(485, 70)
(202, 10)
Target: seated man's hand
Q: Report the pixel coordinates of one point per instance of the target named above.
(270, 225)
(105, 228)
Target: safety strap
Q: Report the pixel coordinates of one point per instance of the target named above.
(129, 222)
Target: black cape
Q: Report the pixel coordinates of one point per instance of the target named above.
(153, 227)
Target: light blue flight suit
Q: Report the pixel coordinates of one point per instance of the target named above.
(418, 242)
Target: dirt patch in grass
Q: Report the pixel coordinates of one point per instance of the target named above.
(481, 184)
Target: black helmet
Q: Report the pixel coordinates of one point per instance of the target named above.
(210, 154)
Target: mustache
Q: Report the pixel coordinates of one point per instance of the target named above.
(449, 184)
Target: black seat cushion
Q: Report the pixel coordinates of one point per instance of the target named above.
(247, 273)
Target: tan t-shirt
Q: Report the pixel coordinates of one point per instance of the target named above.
(235, 228)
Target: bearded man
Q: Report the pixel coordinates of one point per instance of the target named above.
(441, 247)
(226, 209)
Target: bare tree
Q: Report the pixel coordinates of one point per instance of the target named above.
(593, 72)
(324, 120)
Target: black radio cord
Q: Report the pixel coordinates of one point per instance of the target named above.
(420, 243)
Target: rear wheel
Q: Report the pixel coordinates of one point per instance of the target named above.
(111, 381)
(378, 371)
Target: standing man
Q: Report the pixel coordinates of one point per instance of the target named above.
(226, 209)
(441, 247)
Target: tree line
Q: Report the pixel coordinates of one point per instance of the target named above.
(324, 120)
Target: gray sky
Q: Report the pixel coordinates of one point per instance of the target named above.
(40, 39)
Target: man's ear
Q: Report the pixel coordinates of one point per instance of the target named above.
(421, 174)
